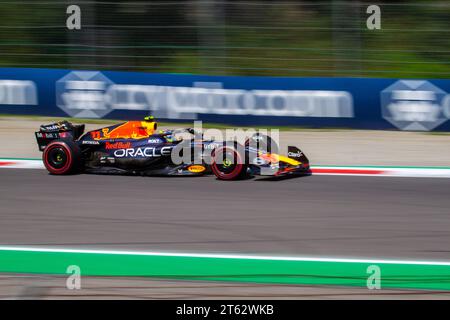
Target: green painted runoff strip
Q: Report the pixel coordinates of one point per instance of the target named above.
(410, 275)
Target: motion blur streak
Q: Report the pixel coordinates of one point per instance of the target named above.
(294, 38)
(398, 218)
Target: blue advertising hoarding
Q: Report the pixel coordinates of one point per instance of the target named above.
(362, 103)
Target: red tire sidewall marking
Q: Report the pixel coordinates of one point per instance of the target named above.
(68, 164)
(235, 172)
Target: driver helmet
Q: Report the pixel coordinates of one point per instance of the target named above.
(150, 125)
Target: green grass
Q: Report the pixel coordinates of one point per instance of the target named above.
(205, 125)
(439, 133)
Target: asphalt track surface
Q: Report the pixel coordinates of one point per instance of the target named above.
(324, 216)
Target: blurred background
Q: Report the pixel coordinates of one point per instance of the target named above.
(323, 216)
(273, 38)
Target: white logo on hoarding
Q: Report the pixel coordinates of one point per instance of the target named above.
(414, 105)
(187, 102)
(18, 92)
(83, 94)
(91, 94)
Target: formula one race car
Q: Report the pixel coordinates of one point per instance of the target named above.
(137, 147)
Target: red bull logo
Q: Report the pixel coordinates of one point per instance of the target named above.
(117, 145)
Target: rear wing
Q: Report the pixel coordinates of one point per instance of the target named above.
(58, 130)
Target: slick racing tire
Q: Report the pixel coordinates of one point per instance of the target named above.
(262, 142)
(228, 163)
(61, 157)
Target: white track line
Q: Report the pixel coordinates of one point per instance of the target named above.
(22, 164)
(223, 256)
(412, 172)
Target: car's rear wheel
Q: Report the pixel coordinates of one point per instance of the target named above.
(228, 163)
(61, 157)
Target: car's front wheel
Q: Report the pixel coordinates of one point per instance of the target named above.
(228, 163)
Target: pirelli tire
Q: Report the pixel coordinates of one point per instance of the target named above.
(223, 169)
(62, 157)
